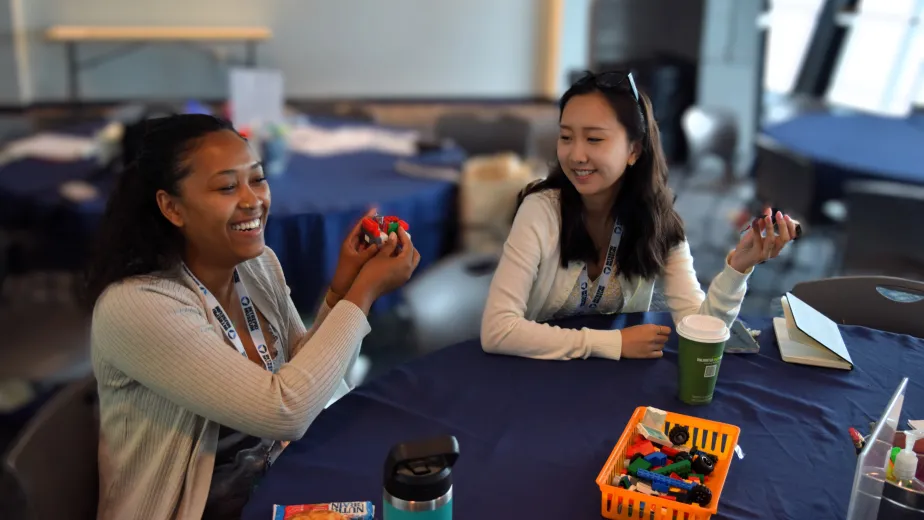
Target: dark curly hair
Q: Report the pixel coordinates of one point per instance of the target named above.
(134, 237)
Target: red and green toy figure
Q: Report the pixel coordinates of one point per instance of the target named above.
(376, 229)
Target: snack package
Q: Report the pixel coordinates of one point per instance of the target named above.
(331, 511)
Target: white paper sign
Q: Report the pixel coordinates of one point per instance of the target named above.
(257, 97)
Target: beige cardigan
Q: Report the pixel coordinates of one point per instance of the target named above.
(167, 379)
(530, 286)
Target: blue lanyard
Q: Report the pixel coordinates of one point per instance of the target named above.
(603, 279)
(250, 314)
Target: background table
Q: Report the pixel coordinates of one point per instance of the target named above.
(314, 204)
(534, 434)
(856, 146)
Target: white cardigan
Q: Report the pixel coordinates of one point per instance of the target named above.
(530, 286)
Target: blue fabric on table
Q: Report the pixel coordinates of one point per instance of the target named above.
(855, 146)
(533, 435)
(314, 205)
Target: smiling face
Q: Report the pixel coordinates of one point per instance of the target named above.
(593, 147)
(223, 202)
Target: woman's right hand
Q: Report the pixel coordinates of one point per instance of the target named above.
(388, 270)
(644, 341)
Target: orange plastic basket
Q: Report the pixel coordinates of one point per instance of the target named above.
(712, 437)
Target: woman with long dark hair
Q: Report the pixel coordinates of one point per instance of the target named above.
(203, 364)
(599, 230)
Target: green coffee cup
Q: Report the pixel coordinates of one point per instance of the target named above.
(702, 343)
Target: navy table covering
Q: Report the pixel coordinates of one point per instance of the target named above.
(844, 147)
(314, 204)
(534, 434)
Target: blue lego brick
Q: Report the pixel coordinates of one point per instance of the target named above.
(660, 487)
(654, 478)
(657, 459)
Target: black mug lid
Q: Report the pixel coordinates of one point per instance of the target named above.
(421, 470)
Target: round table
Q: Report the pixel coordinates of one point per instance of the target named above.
(315, 203)
(844, 147)
(533, 435)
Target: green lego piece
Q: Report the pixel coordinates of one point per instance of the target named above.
(697, 475)
(624, 482)
(681, 468)
(638, 464)
(392, 228)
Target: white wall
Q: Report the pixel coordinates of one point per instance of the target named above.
(730, 65)
(327, 48)
(574, 42)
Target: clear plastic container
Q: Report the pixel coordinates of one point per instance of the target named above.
(870, 476)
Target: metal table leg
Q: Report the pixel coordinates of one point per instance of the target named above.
(251, 50)
(73, 71)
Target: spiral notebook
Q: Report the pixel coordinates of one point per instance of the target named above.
(808, 337)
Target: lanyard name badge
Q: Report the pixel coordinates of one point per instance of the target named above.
(605, 275)
(250, 314)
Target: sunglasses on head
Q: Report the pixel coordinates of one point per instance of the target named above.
(612, 80)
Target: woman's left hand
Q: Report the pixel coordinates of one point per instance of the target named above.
(354, 253)
(760, 243)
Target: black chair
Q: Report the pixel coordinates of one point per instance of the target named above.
(878, 302)
(54, 459)
(883, 233)
(785, 180)
(483, 135)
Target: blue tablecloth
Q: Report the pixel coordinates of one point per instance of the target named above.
(314, 204)
(855, 146)
(533, 435)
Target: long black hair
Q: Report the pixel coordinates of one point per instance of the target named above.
(134, 237)
(644, 204)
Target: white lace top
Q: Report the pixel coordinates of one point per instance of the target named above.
(611, 302)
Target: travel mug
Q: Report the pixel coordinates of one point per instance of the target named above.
(418, 480)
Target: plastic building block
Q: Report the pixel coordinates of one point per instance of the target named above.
(654, 418)
(637, 465)
(681, 468)
(670, 452)
(643, 447)
(679, 434)
(654, 477)
(697, 451)
(697, 475)
(682, 455)
(645, 488)
(624, 482)
(372, 232)
(376, 229)
(660, 487)
(655, 436)
(674, 475)
(702, 464)
(700, 494)
(657, 459)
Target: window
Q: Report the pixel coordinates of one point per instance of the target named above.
(790, 26)
(880, 67)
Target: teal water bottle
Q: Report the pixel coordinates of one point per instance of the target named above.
(418, 480)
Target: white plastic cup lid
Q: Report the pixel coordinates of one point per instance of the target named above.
(703, 329)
